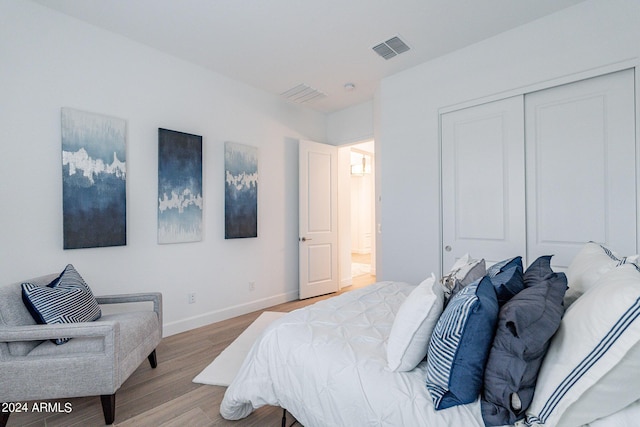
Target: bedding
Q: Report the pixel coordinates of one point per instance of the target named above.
(327, 364)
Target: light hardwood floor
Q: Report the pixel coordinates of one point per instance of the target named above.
(166, 396)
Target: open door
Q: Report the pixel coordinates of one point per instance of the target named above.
(318, 212)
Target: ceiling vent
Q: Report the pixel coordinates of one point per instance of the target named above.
(390, 48)
(302, 94)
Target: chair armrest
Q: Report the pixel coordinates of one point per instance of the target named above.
(51, 332)
(155, 297)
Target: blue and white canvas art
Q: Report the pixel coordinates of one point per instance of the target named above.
(179, 187)
(241, 191)
(93, 180)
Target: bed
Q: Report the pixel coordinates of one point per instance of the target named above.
(364, 358)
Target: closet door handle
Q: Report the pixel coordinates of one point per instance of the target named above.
(304, 239)
(447, 248)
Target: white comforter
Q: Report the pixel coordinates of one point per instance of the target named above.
(326, 364)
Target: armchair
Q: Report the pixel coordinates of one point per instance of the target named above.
(99, 358)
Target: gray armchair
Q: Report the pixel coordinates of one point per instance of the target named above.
(99, 358)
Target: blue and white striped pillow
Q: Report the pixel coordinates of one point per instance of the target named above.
(68, 299)
(460, 345)
(592, 367)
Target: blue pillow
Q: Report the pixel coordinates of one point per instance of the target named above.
(460, 345)
(526, 324)
(67, 299)
(505, 265)
(508, 283)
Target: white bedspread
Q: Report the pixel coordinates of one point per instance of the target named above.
(326, 364)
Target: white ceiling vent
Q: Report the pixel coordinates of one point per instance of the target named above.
(390, 48)
(302, 94)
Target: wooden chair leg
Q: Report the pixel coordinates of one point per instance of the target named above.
(4, 418)
(108, 407)
(153, 360)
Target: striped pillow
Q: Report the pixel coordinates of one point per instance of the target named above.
(68, 299)
(592, 367)
(460, 345)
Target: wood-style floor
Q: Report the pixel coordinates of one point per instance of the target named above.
(166, 396)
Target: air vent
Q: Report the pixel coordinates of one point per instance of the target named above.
(302, 94)
(390, 48)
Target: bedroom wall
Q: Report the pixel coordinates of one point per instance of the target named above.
(51, 61)
(594, 36)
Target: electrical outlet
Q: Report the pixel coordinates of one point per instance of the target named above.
(252, 286)
(191, 297)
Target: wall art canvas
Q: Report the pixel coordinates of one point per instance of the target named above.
(241, 191)
(93, 180)
(180, 200)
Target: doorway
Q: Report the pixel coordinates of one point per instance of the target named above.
(362, 215)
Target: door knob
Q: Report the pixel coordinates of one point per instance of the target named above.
(447, 248)
(304, 239)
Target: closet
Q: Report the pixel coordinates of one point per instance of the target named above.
(541, 173)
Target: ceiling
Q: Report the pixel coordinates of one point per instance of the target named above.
(275, 45)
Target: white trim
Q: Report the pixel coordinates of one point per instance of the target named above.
(204, 319)
(546, 84)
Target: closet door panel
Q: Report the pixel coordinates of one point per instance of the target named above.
(580, 163)
(483, 182)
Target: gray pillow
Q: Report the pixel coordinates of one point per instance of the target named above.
(526, 324)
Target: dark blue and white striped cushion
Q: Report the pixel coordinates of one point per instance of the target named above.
(460, 345)
(68, 299)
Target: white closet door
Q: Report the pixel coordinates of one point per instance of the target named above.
(483, 201)
(580, 162)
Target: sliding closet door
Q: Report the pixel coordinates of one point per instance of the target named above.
(580, 162)
(483, 201)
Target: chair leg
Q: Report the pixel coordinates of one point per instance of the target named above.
(4, 418)
(153, 360)
(108, 407)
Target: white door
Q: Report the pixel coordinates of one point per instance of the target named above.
(581, 167)
(318, 212)
(483, 200)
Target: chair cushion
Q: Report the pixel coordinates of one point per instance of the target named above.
(67, 299)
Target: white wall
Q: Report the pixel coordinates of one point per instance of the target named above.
(594, 36)
(350, 125)
(49, 61)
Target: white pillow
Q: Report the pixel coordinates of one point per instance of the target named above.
(589, 264)
(464, 271)
(411, 331)
(592, 368)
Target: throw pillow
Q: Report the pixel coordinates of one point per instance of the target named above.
(464, 271)
(508, 283)
(526, 324)
(589, 265)
(504, 265)
(460, 345)
(409, 338)
(592, 367)
(67, 299)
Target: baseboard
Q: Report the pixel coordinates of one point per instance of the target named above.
(204, 319)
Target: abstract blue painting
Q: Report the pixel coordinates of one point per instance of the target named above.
(94, 200)
(179, 187)
(241, 191)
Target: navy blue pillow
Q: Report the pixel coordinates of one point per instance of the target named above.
(526, 324)
(67, 299)
(505, 265)
(508, 283)
(460, 344)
